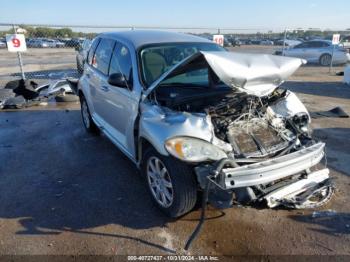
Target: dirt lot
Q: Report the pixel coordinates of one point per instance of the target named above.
(63, 191)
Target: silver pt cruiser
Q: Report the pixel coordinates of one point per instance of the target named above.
(194, 117)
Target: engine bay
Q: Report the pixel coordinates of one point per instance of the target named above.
(247, 123)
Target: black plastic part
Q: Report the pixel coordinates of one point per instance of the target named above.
(23, 88)
(202, 219)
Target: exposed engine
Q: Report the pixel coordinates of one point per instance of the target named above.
(250, 124)
(253, 129)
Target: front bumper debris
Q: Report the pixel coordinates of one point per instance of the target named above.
(313, 191)
(287, 180)
(273, 169)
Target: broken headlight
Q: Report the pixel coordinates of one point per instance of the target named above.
(193, 150)
(301, 122)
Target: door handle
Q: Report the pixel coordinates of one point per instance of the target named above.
(104, 88)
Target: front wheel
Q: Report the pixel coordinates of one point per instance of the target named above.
(325, 60)
(171, 182)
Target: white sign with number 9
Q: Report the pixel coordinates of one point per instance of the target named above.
(16, 43)
(219, 39)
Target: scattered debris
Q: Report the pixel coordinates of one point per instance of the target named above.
(23, 93)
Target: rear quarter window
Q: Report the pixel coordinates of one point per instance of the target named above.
(94, 44)
(102, 56)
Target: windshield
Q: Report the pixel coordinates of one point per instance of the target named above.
(157, 59)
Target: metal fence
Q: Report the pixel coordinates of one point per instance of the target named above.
(51, 49)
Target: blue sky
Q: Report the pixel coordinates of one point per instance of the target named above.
(270, 14)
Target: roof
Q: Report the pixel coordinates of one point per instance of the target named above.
(138, 38)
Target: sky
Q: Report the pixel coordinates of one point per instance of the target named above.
(247, 14)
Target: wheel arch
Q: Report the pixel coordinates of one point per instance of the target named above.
(143, 144)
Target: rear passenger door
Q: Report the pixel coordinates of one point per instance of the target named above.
(121, 105)
(315, 51)
(98, 78)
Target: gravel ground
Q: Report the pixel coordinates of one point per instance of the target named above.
(63, 191)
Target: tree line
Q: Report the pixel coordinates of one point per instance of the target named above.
(49, 32)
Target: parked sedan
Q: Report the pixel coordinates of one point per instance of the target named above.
(319, 51)
(39, 43)
(2, 44)
(195, 117)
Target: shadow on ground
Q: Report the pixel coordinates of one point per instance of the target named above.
(337, 147)
(55, 177)
(329, 89)
(326, 222)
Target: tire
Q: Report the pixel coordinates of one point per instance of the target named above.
(88, 122)
(180, 183)
(325, 60)
(67, 98)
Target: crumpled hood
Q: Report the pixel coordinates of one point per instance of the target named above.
(254, 74)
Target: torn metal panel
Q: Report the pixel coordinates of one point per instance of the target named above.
(291, 195)
(287, 107)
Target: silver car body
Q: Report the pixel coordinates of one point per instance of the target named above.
(312, 51)
(128, 118)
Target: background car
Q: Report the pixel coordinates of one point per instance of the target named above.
(56, 43)
(50, 42)
(266, 42)
(37, 43)
(319, 51)
(345, 41)
(74, 42)
(2, 44)
(288, 42)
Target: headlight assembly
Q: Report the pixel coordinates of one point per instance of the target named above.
(193, 149)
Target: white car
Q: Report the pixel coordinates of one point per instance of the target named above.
(2, 44)
(319, 51)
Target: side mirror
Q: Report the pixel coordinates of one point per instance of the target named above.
(118, 80)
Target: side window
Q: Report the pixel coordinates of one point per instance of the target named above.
(316, 44)
(303, 45)
(121, 62)
(102, 55)
(92, 50)
(299, 46)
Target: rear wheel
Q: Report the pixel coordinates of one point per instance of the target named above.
(89, 124)
(171, 183)
(325, 60)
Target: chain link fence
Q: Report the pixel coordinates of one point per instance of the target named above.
(52, 49)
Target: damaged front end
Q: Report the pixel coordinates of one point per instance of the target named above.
(265, 151)
(273, 159)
